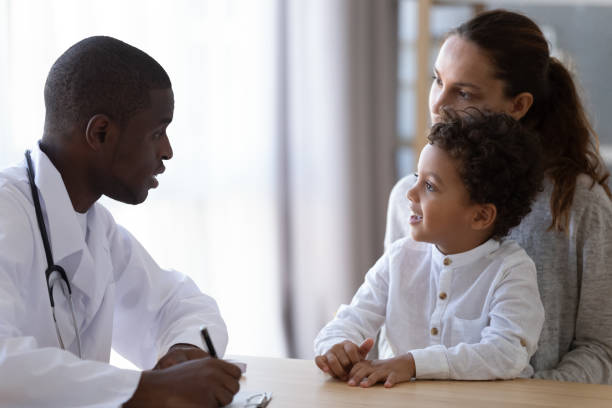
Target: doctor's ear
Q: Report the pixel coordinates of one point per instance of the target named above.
(98, 131)
(484, 216)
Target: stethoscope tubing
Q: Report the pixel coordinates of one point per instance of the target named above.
(52, 270)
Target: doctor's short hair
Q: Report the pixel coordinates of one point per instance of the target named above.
(499, 161)
(100, 75)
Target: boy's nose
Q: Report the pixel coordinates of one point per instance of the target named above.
(411, 194)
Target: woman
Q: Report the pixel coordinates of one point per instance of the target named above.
(500, 61)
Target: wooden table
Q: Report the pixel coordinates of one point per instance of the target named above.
(299, 383)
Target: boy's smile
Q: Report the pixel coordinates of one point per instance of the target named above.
(414, 217)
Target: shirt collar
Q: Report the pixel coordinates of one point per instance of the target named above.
(63, 229)
(464, 258)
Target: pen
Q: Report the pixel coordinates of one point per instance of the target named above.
(208, 342)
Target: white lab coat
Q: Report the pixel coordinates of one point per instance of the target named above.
(121, 298)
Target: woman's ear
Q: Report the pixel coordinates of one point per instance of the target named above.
(520, 105)
(484, 217)
(97, 131)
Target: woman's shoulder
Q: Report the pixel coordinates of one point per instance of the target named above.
(591, 202)
(588, 196)
(589, 192)
(591, 211)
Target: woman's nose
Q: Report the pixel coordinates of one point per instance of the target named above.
(437, 102)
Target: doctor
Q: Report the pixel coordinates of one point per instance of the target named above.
(108, 105)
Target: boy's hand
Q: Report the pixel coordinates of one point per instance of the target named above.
(339, 360)
(392, 371)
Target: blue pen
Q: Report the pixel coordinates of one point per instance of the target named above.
(208, 342)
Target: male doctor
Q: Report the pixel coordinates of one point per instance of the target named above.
(108, 105)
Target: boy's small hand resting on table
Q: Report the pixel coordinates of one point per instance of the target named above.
(392, 371)
(342, 357)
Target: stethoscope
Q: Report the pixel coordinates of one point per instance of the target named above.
(54, 273)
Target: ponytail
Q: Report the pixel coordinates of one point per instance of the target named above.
(572, 145)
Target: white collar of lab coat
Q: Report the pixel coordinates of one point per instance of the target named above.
(463, 258)
(65, 233)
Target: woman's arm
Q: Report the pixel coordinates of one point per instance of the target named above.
(590, 357)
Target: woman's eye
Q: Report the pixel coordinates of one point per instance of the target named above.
(429, 187)
(464, 95)
(437, 80)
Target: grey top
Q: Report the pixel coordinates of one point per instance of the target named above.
(574, 278)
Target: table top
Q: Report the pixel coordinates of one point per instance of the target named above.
(299, 383)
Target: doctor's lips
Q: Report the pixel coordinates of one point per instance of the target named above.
(160, 170)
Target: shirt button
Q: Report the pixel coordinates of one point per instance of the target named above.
(447, 261)
(442, 295)
(434, 331)
(523, 343)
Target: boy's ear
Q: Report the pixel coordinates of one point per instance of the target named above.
(98, 131)
(484, 216)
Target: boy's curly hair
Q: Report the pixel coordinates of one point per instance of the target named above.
(499, 162)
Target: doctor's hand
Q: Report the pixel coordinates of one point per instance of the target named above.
(392, 371)
(206, 382)
(341, 358)
(179, 353)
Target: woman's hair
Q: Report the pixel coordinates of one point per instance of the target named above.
(498, 160)
(521, 58)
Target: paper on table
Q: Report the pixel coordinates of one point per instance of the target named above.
(240, 364)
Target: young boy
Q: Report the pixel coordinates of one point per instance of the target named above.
(457, 300)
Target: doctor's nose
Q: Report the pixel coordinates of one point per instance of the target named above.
(166, 149)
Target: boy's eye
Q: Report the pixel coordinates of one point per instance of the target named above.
(429, 187)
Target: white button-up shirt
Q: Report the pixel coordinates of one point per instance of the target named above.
(121, 298)
(472, 316)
